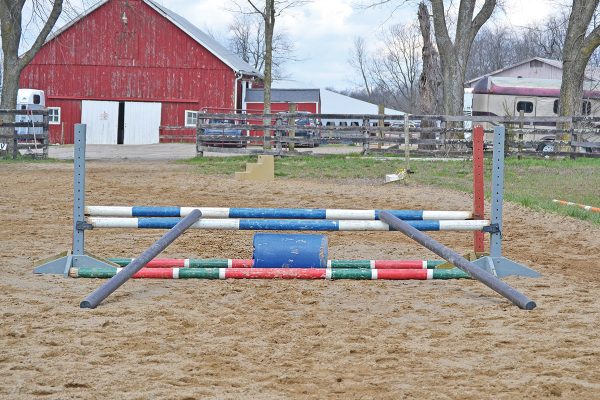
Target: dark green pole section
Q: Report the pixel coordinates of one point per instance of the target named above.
(98, 295)
(516, 297)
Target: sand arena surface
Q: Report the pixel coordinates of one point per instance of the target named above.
(286, 339)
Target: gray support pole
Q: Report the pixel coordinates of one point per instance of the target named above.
(481, 275)
(79, 190)
(497, 190)
(98, 295)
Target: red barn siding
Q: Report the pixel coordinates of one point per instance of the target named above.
(148, 59)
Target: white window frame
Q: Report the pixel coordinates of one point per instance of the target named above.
(193, 114)
(51, 120)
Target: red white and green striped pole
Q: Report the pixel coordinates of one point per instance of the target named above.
(274, 273)
(248, 263)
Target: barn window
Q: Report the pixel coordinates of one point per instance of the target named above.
(586, 107)
(191, 118)
(555, 107)
(525, 106)
(54, 115)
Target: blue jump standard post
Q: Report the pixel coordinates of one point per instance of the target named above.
(98, 295)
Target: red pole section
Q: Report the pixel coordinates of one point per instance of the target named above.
(478, 190)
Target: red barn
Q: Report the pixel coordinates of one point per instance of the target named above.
(128, 69)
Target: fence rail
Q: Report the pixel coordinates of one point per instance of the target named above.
(29, 133)
(393, 133)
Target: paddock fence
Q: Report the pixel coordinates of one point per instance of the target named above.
(433, 135)
(26, 130)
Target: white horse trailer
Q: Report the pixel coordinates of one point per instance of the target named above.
(499, 96)
(30, 99)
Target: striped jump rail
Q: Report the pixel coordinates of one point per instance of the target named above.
(274, 273)
(249, 263)
(582, 206)
(285, 224)
(271, 213)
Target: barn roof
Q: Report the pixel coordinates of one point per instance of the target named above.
(284, 95)
(554, 63)
(225, 55)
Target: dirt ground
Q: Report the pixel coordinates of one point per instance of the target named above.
(286, 339)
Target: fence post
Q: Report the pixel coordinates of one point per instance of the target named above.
(520, 135)
(15, 149)
(406, 142)
(199, 135)
(380, 124)
(365, 136)
(291, 123)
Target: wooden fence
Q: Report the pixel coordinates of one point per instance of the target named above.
(428, 134)
(26, 133)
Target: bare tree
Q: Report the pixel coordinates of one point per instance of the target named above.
(580, 43)
(269, 11)
(247, 39)
(359, 61)
(454, 54)
(396, 70)
(430, 81)
(11, 17)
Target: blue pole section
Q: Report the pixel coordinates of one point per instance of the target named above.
(97, 296)
(447, 254)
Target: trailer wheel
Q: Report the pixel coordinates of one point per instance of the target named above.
(546, 147)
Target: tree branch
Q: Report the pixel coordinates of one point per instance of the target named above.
(41, 38)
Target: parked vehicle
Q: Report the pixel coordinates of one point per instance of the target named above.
(30, 99)
(500, 96)
(229, 142)
(306, 129)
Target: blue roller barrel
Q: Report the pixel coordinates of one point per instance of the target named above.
(273, 250)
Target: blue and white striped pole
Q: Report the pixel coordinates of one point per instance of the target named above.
(272, 213)
(284, 224)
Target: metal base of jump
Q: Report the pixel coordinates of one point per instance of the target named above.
(61, 263)
(502, 267)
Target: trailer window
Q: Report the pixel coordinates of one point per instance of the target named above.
(586, 107)
(37, 99)
(555, 107)
(525, 106)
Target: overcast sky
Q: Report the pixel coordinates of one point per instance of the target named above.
(323, 31)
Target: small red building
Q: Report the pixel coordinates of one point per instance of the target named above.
(306, 99)
(130, 69)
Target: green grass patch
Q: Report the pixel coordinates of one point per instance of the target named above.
(27, 159)
(532, 183)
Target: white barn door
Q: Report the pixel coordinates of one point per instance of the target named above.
(142, 122)
(102, 120)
